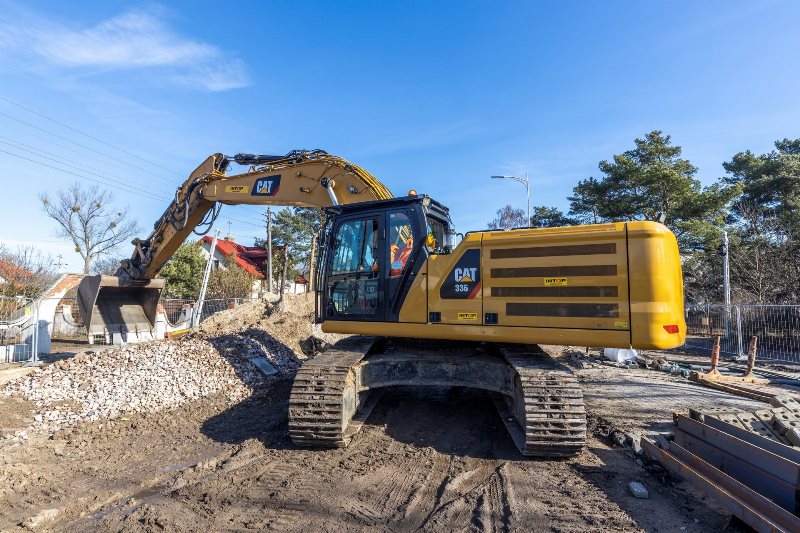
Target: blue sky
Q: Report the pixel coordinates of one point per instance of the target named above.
(435, 96)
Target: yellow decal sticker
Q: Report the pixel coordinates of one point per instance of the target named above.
(620, 324)
(468, 316)
(236, 188)
(554, 282)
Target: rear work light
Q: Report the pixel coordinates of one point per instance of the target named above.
(671, 328)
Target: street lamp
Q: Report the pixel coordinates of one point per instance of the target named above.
(523, 181)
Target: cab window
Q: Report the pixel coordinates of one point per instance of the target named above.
(400, 242)
(353, 284)
(439, 238)
(355, 247)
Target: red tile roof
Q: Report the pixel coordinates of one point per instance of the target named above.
(11, 273)
(250, 258)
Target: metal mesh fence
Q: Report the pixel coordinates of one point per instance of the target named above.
(18, 329)
(68, 324)
(777, 328)
(181, 311)
(23, 322)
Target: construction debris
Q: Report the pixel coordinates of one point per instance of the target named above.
(150, 377)
(638, 490)
(754, 388)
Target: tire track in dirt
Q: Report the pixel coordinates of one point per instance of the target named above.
(414, 483)
(401, 476)
(486, 506)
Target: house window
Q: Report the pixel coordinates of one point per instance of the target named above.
(215, 264)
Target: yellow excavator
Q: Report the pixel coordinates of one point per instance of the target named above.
(422, 309)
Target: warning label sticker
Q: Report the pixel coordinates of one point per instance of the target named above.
(468, 316)
(555, 282)
(236, 188)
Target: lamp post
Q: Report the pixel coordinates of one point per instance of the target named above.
(523, 181)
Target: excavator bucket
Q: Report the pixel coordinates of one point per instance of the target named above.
(108, 308)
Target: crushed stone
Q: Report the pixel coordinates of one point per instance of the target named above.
(159, 375)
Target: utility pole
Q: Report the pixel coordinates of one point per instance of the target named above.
(269, 249)
(726, 272)
(726, 282)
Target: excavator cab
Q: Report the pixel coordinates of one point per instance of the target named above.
(372, 252)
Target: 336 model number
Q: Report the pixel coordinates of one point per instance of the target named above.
(461, 287)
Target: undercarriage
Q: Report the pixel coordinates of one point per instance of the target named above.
(539, 401)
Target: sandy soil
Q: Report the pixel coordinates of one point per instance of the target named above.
(426, 460)
(289, 321)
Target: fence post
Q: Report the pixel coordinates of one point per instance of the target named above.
(739, 330)
(751, 356)
(35, 337)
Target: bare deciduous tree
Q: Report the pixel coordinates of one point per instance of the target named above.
(26, 271)
(106, 264)
(87, 218)
(509, 218)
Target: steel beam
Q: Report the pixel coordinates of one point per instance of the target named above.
(755, 510)
(775, 464)
(777, 448)
(774, 488)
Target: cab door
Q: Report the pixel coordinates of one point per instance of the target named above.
(403, 257)
(355, 284)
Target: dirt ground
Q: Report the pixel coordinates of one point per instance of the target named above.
(427, 459)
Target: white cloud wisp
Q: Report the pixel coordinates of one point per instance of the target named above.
(135, 39)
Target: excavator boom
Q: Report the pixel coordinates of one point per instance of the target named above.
(126, 302)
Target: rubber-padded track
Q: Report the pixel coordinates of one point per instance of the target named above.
(546, 417)
(324, 399)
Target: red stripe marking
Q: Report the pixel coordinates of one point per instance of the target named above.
(475, 291)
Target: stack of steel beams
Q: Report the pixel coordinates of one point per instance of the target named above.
(743, 460)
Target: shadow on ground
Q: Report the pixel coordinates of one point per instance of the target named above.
(617, 469)
(263, 415)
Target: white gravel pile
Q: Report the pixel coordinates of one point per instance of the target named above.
(149, 377)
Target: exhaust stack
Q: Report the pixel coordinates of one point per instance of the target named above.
(108, 308)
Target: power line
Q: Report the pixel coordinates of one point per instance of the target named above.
(34, 126)
(142, 193)
(76, 130)
(75, 164)
(42, 115)
(132, 189)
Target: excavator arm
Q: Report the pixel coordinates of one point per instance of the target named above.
(126, 302)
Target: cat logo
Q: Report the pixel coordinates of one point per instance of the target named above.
(267, 186)
(464, 280)
(465, 275)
